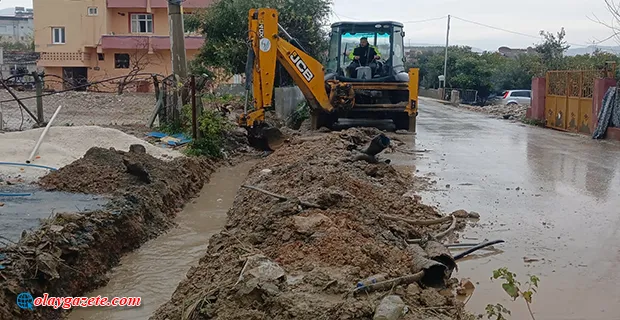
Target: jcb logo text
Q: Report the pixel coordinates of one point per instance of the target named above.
(302, 66)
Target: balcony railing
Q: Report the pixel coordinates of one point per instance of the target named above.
(63, 59)
(156, 3)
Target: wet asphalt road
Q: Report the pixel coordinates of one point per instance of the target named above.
(553, 197)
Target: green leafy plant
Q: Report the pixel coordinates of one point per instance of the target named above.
(212, 126)
(513, 288)
(300, 115)
(496, 311)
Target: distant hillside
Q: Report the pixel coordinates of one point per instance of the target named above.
(573, 51)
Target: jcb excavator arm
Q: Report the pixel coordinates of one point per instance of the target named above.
(267, 48)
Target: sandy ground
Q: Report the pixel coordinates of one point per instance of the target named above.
(63, 145)
(78, 108)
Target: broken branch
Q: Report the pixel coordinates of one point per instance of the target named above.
(449, 230)
(284, 198)
(389, 284)
(417, 222)
(440, 235)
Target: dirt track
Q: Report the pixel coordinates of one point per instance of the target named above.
(72, 252)
(286, 260)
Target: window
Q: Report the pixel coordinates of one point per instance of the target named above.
(521, 94)
(93, 11)
(142, 23)
(121, 60)
(100, 56)
(58, 35)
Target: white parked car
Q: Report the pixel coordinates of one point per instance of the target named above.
(514, 97)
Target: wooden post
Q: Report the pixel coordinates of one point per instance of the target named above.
(194, 109)
(38, 82)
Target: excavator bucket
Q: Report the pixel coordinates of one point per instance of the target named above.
(273, 137)
(265, 137)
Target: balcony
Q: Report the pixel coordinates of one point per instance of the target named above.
(63, 59)
(156, 3)
(149, 43)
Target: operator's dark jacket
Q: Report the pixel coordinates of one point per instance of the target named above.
(366, 54)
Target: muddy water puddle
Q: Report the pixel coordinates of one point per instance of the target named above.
(154, 271)
(23, 207)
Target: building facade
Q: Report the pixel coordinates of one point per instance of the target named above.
(16, 25)
(102, 39)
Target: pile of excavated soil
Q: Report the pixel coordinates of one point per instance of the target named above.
(298, 258)
(72, 252)
(516, 112)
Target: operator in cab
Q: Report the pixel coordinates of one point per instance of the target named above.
(363, 55)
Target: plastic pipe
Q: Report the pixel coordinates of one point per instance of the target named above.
(26, 165)
(47, 127)
(15, 194)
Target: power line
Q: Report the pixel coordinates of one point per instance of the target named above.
(426, 20)
(497, 28)
(337, 15)
(525, 34)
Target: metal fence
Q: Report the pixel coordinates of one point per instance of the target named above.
(133, 100)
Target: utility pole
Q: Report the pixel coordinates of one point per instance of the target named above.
(177, 39)
(177, 52)
(445, 62)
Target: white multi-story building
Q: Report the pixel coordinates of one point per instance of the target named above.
(16, 25)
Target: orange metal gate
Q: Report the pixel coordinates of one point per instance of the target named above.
(568, 103)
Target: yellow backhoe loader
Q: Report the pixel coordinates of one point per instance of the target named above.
(383, 90)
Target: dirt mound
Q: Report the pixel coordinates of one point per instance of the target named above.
(106, 171)
(299, 255)
(72, 252)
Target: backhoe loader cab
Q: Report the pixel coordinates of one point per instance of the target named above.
(381, 91)
(387, 37)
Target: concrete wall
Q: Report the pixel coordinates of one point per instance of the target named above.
(539, 91)
(286, 101)
(430, 93)
(600, 88)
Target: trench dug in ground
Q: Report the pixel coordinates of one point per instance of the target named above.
(72, 252)
(301, 258)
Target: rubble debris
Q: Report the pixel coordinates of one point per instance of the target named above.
(460, 214)
(474, 215)
(391, 307)
(326, 251)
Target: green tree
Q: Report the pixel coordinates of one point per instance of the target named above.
(552, 50)
(225, 25)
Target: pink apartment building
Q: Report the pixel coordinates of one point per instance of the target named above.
(100, 39)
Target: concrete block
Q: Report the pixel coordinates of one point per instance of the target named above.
(286, 101)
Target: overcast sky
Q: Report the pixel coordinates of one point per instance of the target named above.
(523, 16)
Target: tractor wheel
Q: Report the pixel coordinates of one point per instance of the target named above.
(321, 119)
(402, 121)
